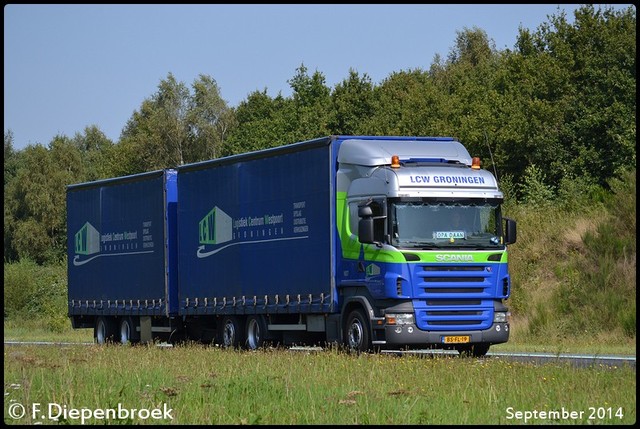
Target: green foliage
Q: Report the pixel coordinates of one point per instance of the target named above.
(263, 122)
(32, 291)
(508, 188)
(175, 127)
(11, 158)
(574, 266)
(575, 192)
(533, 188)
(605, 294)
(352, 105)
(35, 205)
(95, 149)
(209, 118)
(623, 204)
(407, 103)
(311, 102)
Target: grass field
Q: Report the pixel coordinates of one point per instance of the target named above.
(195, 384)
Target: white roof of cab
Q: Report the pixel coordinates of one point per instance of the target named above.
(379, 152)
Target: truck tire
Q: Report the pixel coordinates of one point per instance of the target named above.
(474, 350)
(105, 330)
(256, 331)
(232, 335)
(128, 333)
(356, 332)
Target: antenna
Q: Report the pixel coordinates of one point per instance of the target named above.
(491, 155)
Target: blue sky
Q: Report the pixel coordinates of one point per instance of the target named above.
(67, 67)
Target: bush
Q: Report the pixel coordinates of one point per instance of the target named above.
(534, 190)
(35, 291)
(603, 297)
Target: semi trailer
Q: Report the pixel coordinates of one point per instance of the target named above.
(369, 242)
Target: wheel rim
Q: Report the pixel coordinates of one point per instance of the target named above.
(355, 334)
(100, 332)
(125, 332)
(229, 334)
(253, 334)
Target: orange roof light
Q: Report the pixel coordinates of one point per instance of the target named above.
(475, 163)
(395, 161)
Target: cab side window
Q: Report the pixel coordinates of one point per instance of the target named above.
(379, 220)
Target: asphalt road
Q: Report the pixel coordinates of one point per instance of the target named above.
(579, 360)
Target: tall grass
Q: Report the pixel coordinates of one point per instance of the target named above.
(574, 267)
(205, 385)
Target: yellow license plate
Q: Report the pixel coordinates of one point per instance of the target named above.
(456, 339)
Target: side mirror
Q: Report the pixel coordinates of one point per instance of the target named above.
(365, 211)
(365, 230)
(365, 225)
(510, 231)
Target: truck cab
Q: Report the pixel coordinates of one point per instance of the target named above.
(424, 246)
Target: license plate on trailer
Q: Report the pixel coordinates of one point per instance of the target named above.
(456, 339)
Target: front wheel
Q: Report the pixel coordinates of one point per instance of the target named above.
(356, 332)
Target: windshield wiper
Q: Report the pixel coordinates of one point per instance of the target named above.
(418, 244)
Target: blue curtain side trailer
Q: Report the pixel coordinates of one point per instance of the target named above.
(257, 250)
(122, 248)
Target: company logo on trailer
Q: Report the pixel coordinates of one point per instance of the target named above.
(89, 244)
(217, 228)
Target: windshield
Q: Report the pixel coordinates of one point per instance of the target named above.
(429, 225)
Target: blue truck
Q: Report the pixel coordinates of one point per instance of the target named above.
(370, 242)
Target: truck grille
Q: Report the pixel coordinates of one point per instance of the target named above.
(454, 297)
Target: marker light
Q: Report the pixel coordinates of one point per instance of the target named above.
(475, 163)
(395, 161)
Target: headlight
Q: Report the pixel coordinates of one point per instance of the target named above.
(501, 317)
(399, 319)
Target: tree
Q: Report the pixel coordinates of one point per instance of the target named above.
(35, 202)
(407, 103)
(209, 117)
(472, 46)
(95, 149)
(570, 97)
(11, 158)
(159, 131)
(175, 127)
(352, 103)
(262, 122)
(311, 102)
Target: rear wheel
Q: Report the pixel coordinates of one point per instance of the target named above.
(232, 332)
(356, 332)
(128, 333)
(105, 330)
(256, 331)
